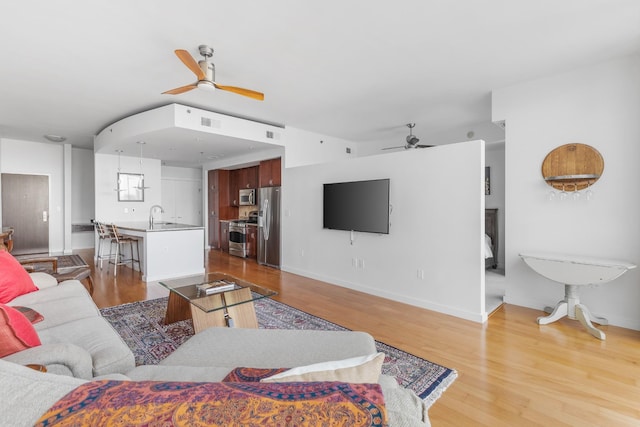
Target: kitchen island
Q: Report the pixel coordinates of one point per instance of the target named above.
(167, 249)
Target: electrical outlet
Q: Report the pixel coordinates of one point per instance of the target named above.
(420, 274)
(126, 210)
(301, 252)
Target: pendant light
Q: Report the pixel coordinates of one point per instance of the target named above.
(141, 185)
(119, 182)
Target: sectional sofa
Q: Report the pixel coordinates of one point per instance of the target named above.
(218, 373)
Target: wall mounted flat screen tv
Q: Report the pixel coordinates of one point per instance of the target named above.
(357, 206)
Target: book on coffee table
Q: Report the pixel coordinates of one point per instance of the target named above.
(216, 287)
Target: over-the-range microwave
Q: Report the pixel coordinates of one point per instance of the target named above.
(247, 197)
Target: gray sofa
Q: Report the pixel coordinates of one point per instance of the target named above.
(76, 339)
(27, 394)
(79, 345)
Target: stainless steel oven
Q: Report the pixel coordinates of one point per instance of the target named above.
(238, 238)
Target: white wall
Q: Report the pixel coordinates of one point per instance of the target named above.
(300, 148)
(437, 226)
(173, 172)
(598, 106)
(82, 195)
(82, 186)
(107, 206)
(305, 148)
(34, 158)
(71, 175)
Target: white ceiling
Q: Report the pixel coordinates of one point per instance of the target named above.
(358, 70)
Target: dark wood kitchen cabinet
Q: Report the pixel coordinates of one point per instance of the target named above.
(248, 177)
(219, 204)
(218, 196)
(224, 236)
(234, 187)
(270, 171)
(240, 179)
(223, 193)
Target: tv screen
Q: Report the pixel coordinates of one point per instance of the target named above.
(357, 206)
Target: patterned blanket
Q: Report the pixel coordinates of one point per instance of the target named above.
(149, 403)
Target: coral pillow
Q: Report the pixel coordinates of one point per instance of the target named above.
(16, 331)
(14, 279)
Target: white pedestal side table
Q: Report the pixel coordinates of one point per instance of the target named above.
(574, 272)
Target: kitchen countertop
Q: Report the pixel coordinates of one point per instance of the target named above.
(158, 226)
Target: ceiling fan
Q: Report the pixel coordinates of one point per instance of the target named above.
(412, 140)
(205, 72)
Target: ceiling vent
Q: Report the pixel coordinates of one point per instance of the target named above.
(272, 135)
(209, 122)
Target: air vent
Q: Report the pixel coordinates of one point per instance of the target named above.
(272, 135)
(210, 123)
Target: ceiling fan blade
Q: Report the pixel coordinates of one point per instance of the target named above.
(191, 63)
(179, 90)
(240, 91)
(424, 146)
(394, 148)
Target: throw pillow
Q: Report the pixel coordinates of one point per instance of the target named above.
(14, 279)
(32, 315)
(251, 375)
(16, 332)
(364, 369)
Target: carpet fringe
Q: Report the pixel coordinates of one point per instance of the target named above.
(442, 387)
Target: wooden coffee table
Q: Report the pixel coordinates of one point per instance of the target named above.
(213, 299)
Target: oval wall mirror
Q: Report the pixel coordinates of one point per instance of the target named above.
(572, 167)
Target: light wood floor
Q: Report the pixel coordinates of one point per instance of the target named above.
(511, 371)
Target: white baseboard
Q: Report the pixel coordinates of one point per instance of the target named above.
(452, 311)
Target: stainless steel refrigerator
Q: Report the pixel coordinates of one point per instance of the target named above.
(269, 226)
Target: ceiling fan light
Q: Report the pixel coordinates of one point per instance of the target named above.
(206, 85)
(412, 140)
(55, 138)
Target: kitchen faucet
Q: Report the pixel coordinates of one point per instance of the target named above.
(151, 214)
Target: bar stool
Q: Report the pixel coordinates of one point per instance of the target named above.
(104, 237)
(121, 240)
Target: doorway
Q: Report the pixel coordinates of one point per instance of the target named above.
(495, 280)
(25, 208)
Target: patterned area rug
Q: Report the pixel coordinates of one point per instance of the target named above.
(141, 326)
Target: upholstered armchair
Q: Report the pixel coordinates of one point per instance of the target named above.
(80, 273)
